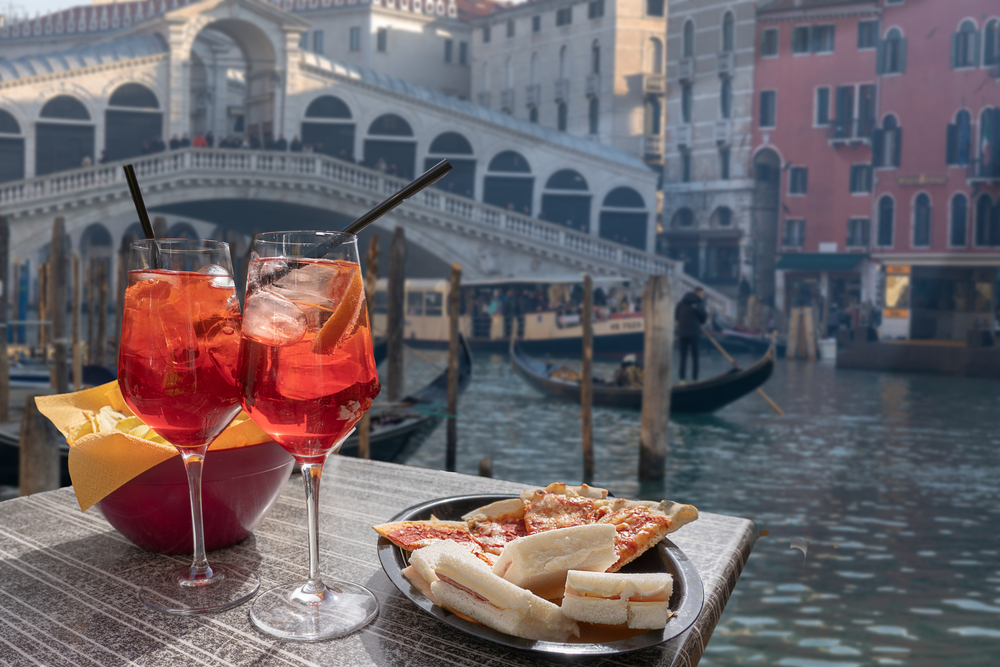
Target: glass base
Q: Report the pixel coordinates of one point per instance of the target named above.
(288, 612)
(173, 592)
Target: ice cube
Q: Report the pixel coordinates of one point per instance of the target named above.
(273, 320)
(225, 279)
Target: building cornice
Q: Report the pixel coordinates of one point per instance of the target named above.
(801, 14)
(967, 259)
(83, 71)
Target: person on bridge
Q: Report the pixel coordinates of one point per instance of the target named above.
(185, 140)
(296, 146)
(281, 144)
(210, 139)
(175, 143)
(690, 315)
(199, 141)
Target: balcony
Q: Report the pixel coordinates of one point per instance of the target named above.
(652, 146)
(987, 173)
(850, 132)
(723, 132)
(682, 136)
(593, 85)
(533, 95)
(726, 64)
(685, 69)
(507, 99)
(562, 90)
(484, 100)
(654, 84)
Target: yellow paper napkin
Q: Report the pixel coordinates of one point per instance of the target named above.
(101, 462)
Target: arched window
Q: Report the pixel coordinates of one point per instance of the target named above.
(989, 137)
(64, 137)
(390, 125)
(486, 77)
(683, 219)
(688, 40)
(594, 116)
(183, 230)
(991, 43)
(11, 148)
(726, 98)
(565, 200)
(562, 117)
(624, 218)
(533, 71)
(892, 53)
(959, 221)
(461, 180)
(562, 62)
(965, 46)
(533, 114)
(654, 51)
(959, 141)
(508, 73)
(327, 127)
(396, 153)
(728, 32)
(886, 221)
(987, 222)
(651, 119)
(687, 101)
(595, 57)
(887, 143)
(922, 221)
(508, 183)
(722, 218)
(134, 113)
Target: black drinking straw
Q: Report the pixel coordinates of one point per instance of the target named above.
(140, 208)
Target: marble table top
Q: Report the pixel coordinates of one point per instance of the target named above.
(69, 583)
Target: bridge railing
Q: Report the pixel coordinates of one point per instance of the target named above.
(219, 160)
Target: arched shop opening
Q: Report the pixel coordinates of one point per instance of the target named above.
(508, 183)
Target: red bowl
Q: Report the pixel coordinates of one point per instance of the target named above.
(239, 487)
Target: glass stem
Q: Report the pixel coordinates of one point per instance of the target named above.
(194, 459)
(311, 473)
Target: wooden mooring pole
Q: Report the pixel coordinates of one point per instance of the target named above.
(103, 281)
(658, 319)
(43, 310)
(7, 287)
(451, 442)
(58, 285)
(160, 229)
(371, 285)
(121, 283)
(75, 326)
(39, 452)
(394, 318)
(587, 381)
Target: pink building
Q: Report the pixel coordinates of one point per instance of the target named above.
(872, 153)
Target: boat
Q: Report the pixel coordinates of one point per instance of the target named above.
(37, 375)
(695, 398)
(737, 339)
(398, 429)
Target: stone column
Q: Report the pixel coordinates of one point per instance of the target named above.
(178, 105)
(220, 95)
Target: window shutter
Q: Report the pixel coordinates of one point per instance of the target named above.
(898, 147)
(977, 43)
(951, 153)
(868, 179)
(880, 57)
(902, 55)
(954, 50)
(878, 148)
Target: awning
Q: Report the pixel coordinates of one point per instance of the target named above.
(820, 261)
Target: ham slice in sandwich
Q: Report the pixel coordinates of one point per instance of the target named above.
(639, 600)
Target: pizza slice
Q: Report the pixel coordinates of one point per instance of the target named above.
(412, 535)
(640, 526)
(549, 511)
(493, 526)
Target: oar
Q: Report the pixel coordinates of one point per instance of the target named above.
(774, 406)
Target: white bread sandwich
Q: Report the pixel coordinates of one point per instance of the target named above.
(465, 587)
(540, 562)
(423, 561)
(640, 600)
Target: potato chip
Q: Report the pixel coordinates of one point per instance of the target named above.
(126, 425)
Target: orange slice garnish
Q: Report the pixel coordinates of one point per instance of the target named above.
(345, 317)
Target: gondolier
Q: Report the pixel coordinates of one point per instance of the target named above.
(690, 315)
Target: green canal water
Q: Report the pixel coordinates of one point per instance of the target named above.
(892, 479)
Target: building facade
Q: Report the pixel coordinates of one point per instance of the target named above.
(707, 217)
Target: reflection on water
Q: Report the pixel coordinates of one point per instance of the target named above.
(892, 479)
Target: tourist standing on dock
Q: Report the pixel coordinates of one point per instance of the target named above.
(690, 315)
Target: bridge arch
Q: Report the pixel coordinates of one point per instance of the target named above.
(11, 148)
(566, 200)
(183, 230)
(391, 146)
(134, 113)
(64, 135)
(328, 126)
(508, 182)
(624, 218)
(454, 146)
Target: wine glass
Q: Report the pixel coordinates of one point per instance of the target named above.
(306, 376)
(177, 372)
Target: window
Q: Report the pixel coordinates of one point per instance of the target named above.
(800, 39)
(685, 166)
(687, 98)
(561, 117)
(728, 30)
(724, 216)
(382, 40)
(798, 180)
(795, 234)
(965, 46)
(991, 43)
(354, 39)
(595, 58)
(886, 221)
(922, 221)
(463, 53)
(857, 232)
(536, 23)
(821, 39)
(959, 221)
(434, 305)
(887, 143)
(595, 9)
(486, 34)
(510, 28)
(414, 303)
(861, 178)
(959, 143)
(564, 16)
(891, 57)
(726, 98)
(318, 41)
(987, 229)
(867, 34)
(449, 47)
(769, 43)
(594, 116)
(304, 41)
(724, 163)
(533, 114)
(688, 41)
(768, 108)
(654, 7)
(822, 106)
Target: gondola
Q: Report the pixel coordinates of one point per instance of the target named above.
(698, 397)
(399, 429)
(738, 340)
